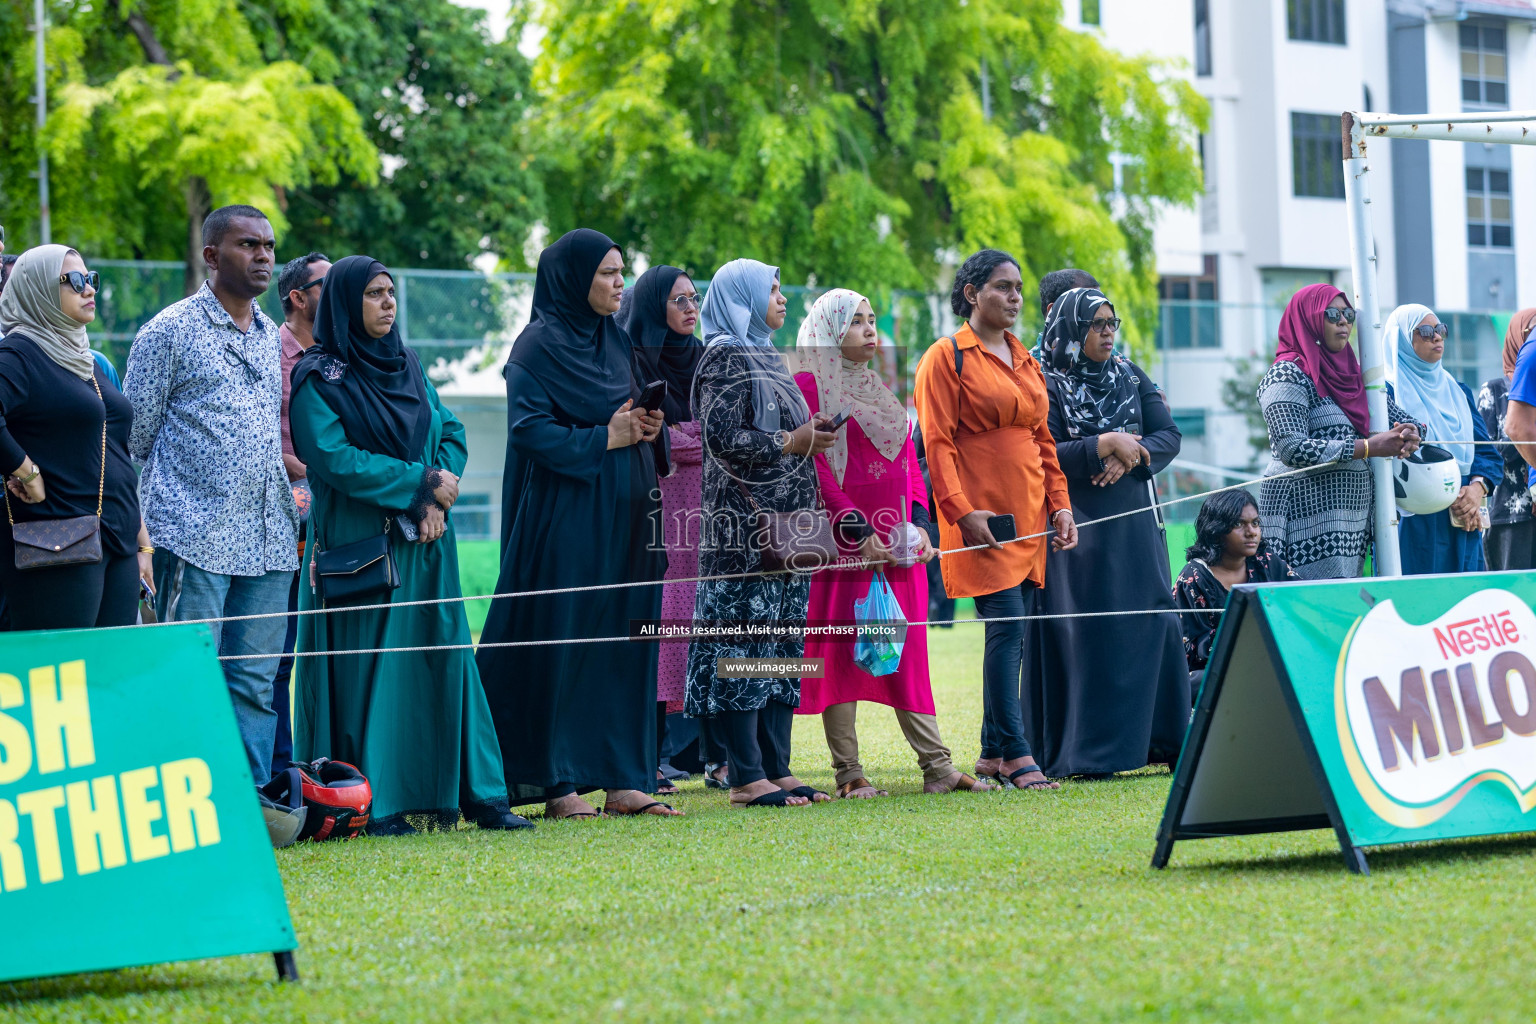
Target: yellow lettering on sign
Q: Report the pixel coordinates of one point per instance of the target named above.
(140, 813)
(13, 873)
(188, 785)
(61, 717)
(40, 805)
(93, 820)
(15, 741)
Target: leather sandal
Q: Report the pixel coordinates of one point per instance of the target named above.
(845, 789)
(967, 784)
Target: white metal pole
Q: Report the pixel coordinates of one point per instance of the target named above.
(1362, 250)
(45, 218)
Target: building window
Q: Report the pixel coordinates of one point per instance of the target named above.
(1191, 422)
(1488, 214)
(1317, 156)
(1484, 79)
(1090, 12)
(1190, 314)
(1315, 21)
(1203, 37)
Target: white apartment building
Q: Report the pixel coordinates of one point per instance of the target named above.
(1455, 224)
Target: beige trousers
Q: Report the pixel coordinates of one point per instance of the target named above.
(921, 731)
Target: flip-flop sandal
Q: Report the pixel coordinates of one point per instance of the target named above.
(845, 791)
(777, 798)
(644, 809)
(808, 792)
(575, 814)
(1029, 770)
(967, 784)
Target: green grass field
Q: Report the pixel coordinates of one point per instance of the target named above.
(1017, 907)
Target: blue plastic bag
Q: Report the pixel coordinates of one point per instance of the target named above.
(878, 652)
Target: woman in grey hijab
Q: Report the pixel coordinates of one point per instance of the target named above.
(759, 440)
(64, 449)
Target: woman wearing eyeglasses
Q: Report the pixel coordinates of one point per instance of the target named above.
(64, 448)
(1093, 708)
(1313, 400)
(659, 314)
(1450, 540)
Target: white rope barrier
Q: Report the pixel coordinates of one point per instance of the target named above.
(840, 565)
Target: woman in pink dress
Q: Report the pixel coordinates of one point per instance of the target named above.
(873, 489)
(659, 314)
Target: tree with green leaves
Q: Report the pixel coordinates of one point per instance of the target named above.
(865, 143)
(445, 106)
(164, 109)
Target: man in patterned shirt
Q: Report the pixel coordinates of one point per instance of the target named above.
(205, 380)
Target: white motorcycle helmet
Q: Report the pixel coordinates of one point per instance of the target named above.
(1427, 481)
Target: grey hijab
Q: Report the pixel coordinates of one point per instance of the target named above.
(31, 305)
(734, 312)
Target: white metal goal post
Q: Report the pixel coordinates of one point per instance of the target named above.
(1515, 128)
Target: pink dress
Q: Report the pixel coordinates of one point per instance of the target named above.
(883, 490)
(680, 509)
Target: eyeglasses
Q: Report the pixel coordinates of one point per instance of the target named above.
(1333, 315)
(1437, 331)
(686, 302)
(307, 287)
(234, 357)
(1103, 325)
(78, 281)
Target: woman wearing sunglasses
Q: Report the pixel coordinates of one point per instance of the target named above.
(1450, 540)
(1091, 707)
(1313, 401)
(64, 448)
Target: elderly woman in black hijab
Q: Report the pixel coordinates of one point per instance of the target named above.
(1106, 694)
(384, 455)
(579, 507)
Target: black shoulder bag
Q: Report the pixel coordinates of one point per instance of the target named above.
(356, 571)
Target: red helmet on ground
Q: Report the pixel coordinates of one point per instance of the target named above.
(338, 798)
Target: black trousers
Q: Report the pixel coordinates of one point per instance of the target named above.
(1511, 546)
(105, 593)
(756, 742)
(1007, 655)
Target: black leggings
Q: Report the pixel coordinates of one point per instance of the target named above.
(1008, 651)
(756, 742)
(104, 593)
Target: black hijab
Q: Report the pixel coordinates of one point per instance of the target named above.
(660, 352)
(1096, 398)
(582, 360)
(374, 385)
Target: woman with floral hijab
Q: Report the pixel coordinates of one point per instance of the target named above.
(874, 491)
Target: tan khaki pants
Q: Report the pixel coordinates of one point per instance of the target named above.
(921, 731)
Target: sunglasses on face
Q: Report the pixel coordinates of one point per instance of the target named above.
(1427, 332)
(1333, 315)
(78, 281)
(686, 302)
(1103, 325)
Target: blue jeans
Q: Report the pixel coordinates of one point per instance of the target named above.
(1006, 660)
(184, 592)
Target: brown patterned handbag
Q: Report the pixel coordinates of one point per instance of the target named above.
(50, 543)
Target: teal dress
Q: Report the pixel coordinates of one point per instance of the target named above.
(416, 724)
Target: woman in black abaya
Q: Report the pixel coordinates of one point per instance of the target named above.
(579, 508)
(1106, 694)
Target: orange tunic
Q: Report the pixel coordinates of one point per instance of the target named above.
(989, 448)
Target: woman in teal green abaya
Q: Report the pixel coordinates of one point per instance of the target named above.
(379, 445)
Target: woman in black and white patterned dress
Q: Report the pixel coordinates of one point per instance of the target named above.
(759, 439)
(1511, 540)
(1313, 400)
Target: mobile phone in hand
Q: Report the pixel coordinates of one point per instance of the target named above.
(1002, 528)
(840, 419)
(654, 394)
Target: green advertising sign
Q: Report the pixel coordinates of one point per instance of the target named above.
(1391, 710)
(129, 832)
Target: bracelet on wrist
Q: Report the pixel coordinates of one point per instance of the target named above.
(146, 551)
(24, 480)
(1367, 443)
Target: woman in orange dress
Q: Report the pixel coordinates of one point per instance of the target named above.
(983, 405)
